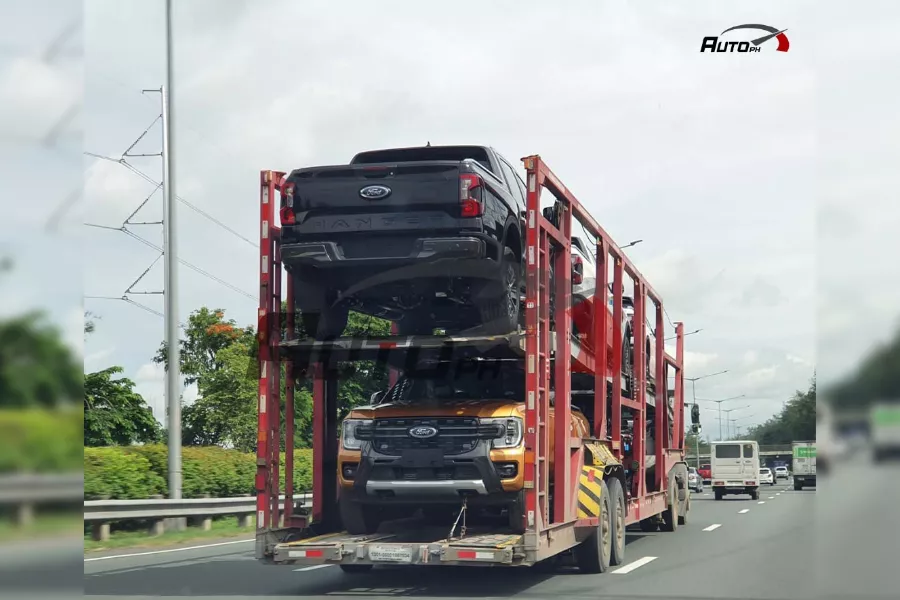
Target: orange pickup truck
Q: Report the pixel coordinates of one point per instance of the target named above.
(439, 435)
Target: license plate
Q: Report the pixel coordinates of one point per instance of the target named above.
(395, 554)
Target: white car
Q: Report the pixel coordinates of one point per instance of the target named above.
(782, 473)
(766, 476)
(695, 482)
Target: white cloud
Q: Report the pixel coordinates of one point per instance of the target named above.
(150, 383)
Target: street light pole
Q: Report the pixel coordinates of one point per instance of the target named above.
(719, 403)
(694, 381)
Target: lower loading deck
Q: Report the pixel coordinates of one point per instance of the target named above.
(406, 542)
(416, 546)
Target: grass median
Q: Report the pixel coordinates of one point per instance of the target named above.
(225, 527)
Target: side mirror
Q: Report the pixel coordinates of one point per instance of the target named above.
(548, 213)
(376, 397)
(695, 414)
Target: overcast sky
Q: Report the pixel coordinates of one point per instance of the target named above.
(728, 166)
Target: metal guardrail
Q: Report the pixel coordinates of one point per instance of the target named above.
(100, 513)
(24, 491)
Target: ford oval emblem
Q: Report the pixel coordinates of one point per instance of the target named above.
(375, 192)
(423, 432)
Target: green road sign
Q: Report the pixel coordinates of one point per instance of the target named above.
(805, 452)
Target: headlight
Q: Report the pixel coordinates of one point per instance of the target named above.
(349, 437)
(510, 429)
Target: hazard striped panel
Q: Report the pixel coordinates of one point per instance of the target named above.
(589, 492)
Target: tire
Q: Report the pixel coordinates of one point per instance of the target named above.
(754, 495)
(593, 554)
(649, 525)
(683, 517)
(719, 494)
(628, 365)
(325, 324)
(798, 486)
(500, 305)
(358, 519)
(670, 515)
(356, 569)
(619, 512)
(516, 514)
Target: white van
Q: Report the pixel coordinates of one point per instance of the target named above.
(735, 468)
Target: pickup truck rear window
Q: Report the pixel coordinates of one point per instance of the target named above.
(399, 155)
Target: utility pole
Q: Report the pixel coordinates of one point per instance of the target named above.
(170, 249)
(719, 403)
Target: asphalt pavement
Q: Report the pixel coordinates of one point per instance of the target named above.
(736, 549)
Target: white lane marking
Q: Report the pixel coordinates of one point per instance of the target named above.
(635, 565)
(771, 497)
(312, 568)
(713, 527)
(778, 494)
(169, 550)
(746, 510)
(761, 502)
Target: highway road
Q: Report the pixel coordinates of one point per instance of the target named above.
(735, 549)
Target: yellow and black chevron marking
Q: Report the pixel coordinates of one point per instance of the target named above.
(589, 492)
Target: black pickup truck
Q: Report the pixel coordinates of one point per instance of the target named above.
(428, 237)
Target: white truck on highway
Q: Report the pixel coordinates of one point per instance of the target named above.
(804, 467)
(884, 425)
(735, 468)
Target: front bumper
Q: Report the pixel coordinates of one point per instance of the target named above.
(429, 477)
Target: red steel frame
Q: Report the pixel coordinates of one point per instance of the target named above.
(568, 452)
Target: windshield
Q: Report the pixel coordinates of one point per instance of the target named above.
(441, 386)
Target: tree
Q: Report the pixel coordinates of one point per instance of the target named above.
(796, 421)
(876, 378)
(207, 333)
(37, 369)
(114, 414)
(89, 325)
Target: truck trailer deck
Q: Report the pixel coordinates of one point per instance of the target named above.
(599, 484)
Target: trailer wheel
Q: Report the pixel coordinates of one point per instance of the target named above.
(619, 512)
(797, 486)
(355, 569)
(649, 525)
(718, 493)
(670, 515)
(357, 518)
(593, 554)
(683, 517)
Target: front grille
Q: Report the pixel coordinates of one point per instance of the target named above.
(455, 435)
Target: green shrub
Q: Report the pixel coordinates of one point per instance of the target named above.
(40, 440)
(111, 473)
(205, 470)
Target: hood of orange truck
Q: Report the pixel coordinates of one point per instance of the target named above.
(462, 408)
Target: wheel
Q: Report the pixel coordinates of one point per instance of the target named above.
(357, 518)
(754, 495)
(325, 324)
(628, 364)
(719, 494)
(516, 514)
(797, 486)
(683, 517)
(617, 499)
(649, 525)
(354, 569)
(500, 304)
(593, 554)
(670, 515)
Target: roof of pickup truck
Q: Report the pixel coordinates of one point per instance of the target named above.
(419, 153)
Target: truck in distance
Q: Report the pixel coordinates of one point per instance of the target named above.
(735, 468)
(804, 464)
(884, 427)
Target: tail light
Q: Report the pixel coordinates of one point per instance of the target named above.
(287, 204)
(471, 195)
(577, 270)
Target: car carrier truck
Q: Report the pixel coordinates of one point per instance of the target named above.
(573, 490)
